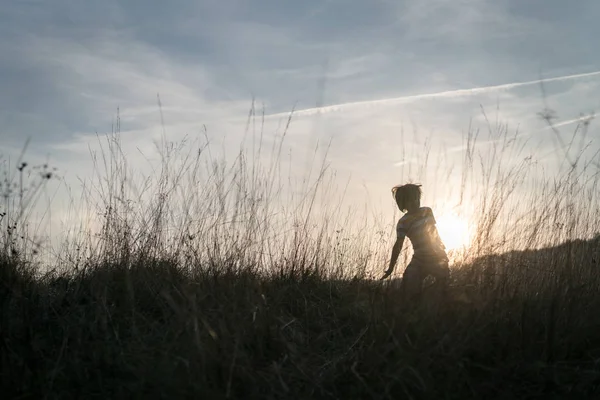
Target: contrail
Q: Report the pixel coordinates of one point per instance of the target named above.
(447, 94)
(554, 125)
(462, 147)
(583, 118)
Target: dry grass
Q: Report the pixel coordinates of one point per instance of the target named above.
(212, 280)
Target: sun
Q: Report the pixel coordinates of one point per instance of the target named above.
(454, 232)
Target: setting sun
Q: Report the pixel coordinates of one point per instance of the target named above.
(454, 231)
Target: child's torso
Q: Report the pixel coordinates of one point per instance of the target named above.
(420, 228)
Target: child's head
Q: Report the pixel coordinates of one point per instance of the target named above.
(407, 196)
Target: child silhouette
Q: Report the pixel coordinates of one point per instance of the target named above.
(418, 223)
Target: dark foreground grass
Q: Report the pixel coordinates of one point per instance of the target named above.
(157, 330)
(216, 280)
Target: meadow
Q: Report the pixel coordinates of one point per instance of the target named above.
(210, 278)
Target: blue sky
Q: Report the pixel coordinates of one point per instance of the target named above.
(67, 66)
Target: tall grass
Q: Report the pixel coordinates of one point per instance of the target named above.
(236, 278)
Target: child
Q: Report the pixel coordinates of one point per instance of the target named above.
(418, 224)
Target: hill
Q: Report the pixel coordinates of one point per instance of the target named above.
(516, 325)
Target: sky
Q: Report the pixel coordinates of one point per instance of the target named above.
(377, 78)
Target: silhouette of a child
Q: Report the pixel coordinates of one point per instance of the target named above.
(418, 223)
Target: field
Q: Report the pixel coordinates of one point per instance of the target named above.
(210, 281)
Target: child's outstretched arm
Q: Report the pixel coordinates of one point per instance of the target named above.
(395, 253)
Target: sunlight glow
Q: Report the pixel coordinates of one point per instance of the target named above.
(454, 231)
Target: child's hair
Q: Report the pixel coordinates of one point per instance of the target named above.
(403, 194)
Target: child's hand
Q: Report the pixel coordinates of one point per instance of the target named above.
(386, 274)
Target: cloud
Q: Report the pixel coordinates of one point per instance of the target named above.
(379, 79)
(444, 94)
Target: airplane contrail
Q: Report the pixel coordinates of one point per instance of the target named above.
(462, 147)
(448, 94)
(582, 119)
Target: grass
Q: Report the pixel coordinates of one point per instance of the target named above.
(211, 279)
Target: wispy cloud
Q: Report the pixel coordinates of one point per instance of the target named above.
(65, 71)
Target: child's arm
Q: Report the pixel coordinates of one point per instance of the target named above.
(395, 253)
